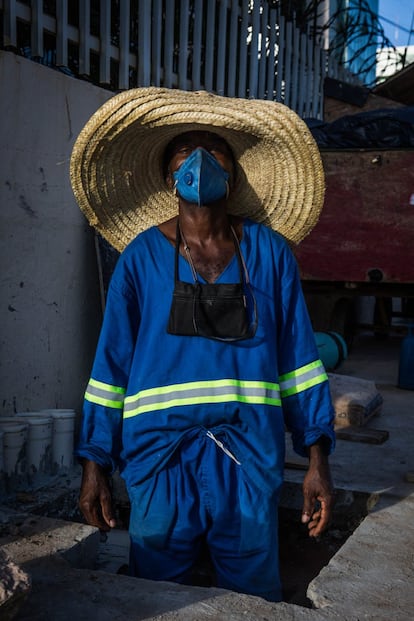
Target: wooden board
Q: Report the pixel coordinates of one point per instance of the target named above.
(296, 465)
(362, 434)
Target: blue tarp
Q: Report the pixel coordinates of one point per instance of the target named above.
(386, 128)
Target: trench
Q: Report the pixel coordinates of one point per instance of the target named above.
(301, 557)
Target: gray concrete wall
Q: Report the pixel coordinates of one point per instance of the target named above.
(50, 303)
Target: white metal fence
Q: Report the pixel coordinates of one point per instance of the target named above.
(239, 48)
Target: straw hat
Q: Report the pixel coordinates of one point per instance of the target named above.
(116, 164)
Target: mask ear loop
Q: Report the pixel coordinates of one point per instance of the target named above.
(248, 285)
(227, 190)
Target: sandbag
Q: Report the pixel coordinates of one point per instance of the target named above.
(355, 400)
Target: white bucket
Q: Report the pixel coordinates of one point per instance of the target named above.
(63, 437)
(14, 446)
(39, 442)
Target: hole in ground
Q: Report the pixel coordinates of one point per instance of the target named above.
(301, 557)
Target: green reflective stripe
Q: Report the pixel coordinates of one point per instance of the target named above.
(182, 402)
(108, 387)
(219, 391)
(304, 386)
(105, 394)
(105, 402)
(303, 378)
(301, 370)
(159, 390)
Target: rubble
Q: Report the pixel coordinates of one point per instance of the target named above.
(15, 585)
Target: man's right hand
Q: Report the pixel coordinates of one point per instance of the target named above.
(95, 499)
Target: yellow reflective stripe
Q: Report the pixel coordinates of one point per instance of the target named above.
(304, 386)
(108, 387)
(301, 370)
(105, 402)
(190, 401)
(204, 384)
(303, 378)
(105, 394)
(197, 393)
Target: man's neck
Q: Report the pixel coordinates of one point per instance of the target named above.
(202, 225)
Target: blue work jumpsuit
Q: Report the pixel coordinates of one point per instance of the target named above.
(197, 426)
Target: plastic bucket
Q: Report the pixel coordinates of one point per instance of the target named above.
(14, 446)
(406, 362)
(63, 437)
(332, 349)
(39, 442)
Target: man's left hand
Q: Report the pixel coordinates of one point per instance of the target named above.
(318, 493)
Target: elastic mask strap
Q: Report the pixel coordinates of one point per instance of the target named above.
(177, 252)
(240, 260)
(243, 270)
(176, 275)
(178, 238)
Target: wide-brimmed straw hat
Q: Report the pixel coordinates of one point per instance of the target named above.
(117, 161)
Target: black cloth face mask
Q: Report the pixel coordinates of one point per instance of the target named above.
(215, 311)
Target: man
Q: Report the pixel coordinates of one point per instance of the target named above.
(206, 352)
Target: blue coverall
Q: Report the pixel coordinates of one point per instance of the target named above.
(197, 426)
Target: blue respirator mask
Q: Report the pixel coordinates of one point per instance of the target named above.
(200, 179)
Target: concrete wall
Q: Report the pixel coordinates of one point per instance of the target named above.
(49, 292)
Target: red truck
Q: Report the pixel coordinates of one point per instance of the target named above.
(363, 244)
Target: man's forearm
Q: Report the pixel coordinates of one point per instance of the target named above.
(319, 451)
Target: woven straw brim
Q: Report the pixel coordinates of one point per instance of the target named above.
(116, 164)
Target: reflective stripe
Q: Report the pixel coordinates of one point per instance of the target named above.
(105, 394)
(303, 378)
(191, 393)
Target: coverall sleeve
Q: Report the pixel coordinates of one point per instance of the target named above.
(304, 385)
(101, 427)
